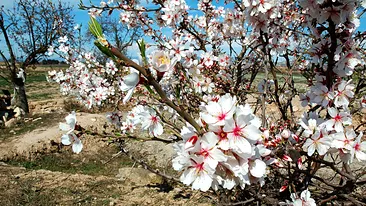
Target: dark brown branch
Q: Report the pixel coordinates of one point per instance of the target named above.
(157, 87)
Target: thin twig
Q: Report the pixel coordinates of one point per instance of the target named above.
(147, 167)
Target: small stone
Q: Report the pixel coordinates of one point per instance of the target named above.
(10, 123)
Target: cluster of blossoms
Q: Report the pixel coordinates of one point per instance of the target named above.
(332, 132)
(230, 153)
(87, 80)
(227, 148)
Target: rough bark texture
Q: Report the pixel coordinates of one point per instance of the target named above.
(20, 95)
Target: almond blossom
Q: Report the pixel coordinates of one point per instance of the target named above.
(198, 173)
(358, 149)
(319, 142)
(151, 122)
(70, 136)
(344, 93)
(218, 112)
(303, 200)
(162, 62)
(128, 84)
(338, 119)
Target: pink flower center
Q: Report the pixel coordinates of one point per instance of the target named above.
(154, 119)
(358, 147)
(222, 116)
(338, 118)
(222, 135)
(199, 167)
(346, 141)
(237, 131)
(205, 152)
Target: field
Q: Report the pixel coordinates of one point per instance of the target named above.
(35, 169)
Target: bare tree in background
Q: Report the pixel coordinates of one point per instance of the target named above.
(30, 27)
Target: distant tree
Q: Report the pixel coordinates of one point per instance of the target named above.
(30, 27)
(50, 61)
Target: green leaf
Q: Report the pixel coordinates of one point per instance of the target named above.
(103, 49)
(142, 48)
(95, 27)
(149, 88)
(177, 91)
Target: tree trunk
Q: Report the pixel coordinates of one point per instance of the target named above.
(20, 95)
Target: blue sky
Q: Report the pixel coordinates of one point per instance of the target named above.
(82, 17)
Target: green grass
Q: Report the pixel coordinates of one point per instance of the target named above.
(35, 77)
(67, 162)
(39, 96)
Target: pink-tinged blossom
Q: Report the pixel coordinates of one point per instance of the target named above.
(358, 149)
(190, 138)
(70, 137)
(209, 151)
(151, 121)
(304, 200)
(344, 140)
(310, 126)
(223, 142)
(347, 63)
(322, 95)
(319, 142)
(344, 93)
(162, 62)
(331, 12)
(198, 173)
(337, 120)
(239, 132)
(218, 112)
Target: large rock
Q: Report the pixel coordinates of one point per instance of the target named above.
(155, 153)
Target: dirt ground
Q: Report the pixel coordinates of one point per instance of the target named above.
(38, 171)
(35, 169)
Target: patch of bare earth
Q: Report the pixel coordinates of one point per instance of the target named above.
(38, 170)
(41, 187)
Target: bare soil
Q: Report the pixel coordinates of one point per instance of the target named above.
(36, 169)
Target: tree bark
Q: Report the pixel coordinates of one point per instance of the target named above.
(20, 96)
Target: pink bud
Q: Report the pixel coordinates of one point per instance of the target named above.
(295, 137)
(299, 163)
(283, 188)
(191, 142)
(278, 164)
(287, 158)
(285, 134)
